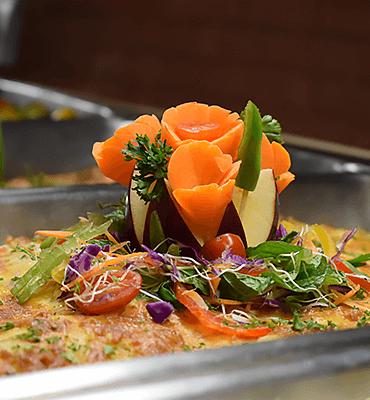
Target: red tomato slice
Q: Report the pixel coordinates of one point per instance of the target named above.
(118, 289)
(365, 284)
(214, 248)
(212, 320)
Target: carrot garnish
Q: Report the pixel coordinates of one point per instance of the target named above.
(203, 193)
(108, 154)
(267, 155)
(282, 161)
(347, 295)
(275, 156)
(54, 234)
(111, 237)
(28, 250)
(117, 247)
(283, 180)
(196, 121)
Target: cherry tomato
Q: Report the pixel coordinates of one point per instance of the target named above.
(112, 293)
(365, 284)
(213, 248)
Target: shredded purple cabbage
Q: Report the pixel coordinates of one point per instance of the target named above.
(155, 256)
(197, 255)
(299, 241)
(281, 232)
(345, 240)
(81, 262)
(106, 248)
(339, 288)
(176, 273)
(160, 310)
(162, 259)
(229, 257)
(271, 303)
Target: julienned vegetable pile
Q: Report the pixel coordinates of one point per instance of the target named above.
(199, 229)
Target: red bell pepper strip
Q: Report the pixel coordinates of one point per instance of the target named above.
(360, 279)
(214, 321)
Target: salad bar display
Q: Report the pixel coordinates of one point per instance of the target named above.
(193, 255)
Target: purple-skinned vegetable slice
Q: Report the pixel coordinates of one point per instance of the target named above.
(160, 310)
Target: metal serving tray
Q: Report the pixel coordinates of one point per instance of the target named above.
(328, 365)
(53, 146)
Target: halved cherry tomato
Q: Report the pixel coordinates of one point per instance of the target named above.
(357, 280)
(213, 248)
(214, 321)
(116, 292)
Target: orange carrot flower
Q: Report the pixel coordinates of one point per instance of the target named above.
(195, 121)
(107, 154)
(275, 156)
(201, 179)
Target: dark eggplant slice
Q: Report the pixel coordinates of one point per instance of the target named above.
(231, 223)
(173, 225)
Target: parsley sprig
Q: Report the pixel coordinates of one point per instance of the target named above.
(272, 129)
(151, 165)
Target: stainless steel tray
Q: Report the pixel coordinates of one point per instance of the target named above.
(53, 146)
(328, 365)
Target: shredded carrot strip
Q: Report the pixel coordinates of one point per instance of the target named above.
(347, 295)
(118, 246)
(214, 282)
(248, 307)
(101, 266)
(226, 302)
(31, 251)
(55, 234)
(111, 237)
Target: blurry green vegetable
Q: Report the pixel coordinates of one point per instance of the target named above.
(2, 157)
(11, 113)
(35, 111)
(63, 113)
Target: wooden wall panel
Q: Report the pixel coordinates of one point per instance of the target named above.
(304, 62)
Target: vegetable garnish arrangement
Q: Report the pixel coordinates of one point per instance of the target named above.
(195, 256)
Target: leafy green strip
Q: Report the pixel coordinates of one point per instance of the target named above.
(249, 151)
(293, 275)
(50, 258)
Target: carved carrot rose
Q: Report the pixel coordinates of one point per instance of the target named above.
(195, 121)
(275, 156)
(201, 180)
(108, 156)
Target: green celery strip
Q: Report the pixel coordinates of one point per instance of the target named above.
(50, 258)
(249, 151)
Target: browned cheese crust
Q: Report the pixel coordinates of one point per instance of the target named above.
(45, 333)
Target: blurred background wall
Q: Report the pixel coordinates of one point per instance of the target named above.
(304, 62)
